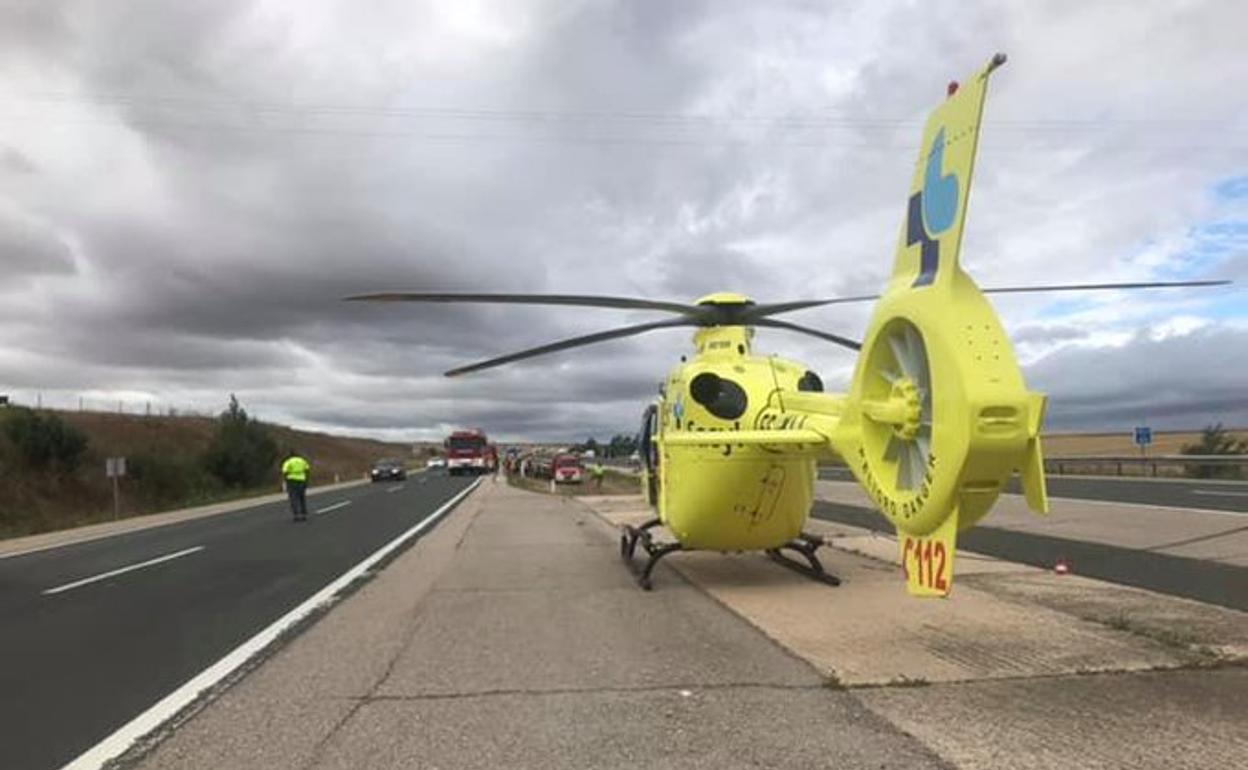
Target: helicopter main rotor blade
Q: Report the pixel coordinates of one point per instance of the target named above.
(751, 314)
(1103, 286)
(755, 312)
(574, 300)
(772, 323)
(574, 342)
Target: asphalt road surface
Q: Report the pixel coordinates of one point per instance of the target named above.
(1203, 580)
(94, 633)
(1176, 493)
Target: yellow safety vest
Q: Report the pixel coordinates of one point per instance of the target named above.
(296, 468)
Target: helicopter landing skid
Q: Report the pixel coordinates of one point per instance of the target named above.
(631, 536)
(806, 545)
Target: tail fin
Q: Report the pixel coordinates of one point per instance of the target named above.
(931, 235)
(938, 417)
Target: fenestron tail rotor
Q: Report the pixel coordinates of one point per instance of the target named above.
(897, 405)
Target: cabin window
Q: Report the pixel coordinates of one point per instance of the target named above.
(810, 382)
(721, 397)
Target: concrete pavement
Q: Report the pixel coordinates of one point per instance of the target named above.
(1020, 668)
(511, 636)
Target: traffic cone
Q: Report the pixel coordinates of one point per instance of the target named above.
(1062, 567)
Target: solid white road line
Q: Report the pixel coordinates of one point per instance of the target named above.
(123, 570)
(1148, 506)
(1217, 492)
(334, 507)
(392, 490)
(125, 736)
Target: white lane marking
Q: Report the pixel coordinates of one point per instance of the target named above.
(392, 490)
(1149, 506)
(334, 507)
(171, 519)
(123, 570)
(1217, 492)
(125, 736)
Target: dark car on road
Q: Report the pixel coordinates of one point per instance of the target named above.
(388, 470)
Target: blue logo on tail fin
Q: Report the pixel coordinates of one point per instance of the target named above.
(931, 212)
(940, 193)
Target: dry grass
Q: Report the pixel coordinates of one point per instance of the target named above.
(1120, 443)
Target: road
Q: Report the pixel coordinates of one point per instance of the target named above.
(95, 633)
(1175, 493)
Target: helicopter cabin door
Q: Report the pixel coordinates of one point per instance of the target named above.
(649, 451)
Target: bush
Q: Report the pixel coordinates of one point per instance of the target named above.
(43, 441)
(1214, 440)
(169, 480)
(242, 453)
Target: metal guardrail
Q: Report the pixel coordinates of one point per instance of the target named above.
(1155, 466)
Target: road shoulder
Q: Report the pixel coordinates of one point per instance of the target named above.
(1016, 654)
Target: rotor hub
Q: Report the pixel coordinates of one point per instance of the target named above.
(896, 400)
(905, 392)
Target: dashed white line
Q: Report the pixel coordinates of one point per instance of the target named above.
(392, 490)
(334, 507)
(115, 744)
(123, 570)
(1217, 492)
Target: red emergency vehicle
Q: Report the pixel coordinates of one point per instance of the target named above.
(567, 469)
(469, 452)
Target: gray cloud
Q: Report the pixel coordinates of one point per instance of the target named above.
(192, 188)
(1174, 382)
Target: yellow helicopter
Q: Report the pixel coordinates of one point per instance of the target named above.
(935, 423)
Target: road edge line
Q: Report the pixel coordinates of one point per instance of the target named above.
(120, 741)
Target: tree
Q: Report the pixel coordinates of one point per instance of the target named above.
(42, 441)
(622, 445)
(1214, 440)
(242, 453)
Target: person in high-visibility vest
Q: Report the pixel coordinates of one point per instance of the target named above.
(295, 476)
(599, 472)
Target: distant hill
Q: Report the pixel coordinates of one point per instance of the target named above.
(163, 455)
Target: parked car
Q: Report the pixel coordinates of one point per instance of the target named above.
(568, 470)
(388, 470)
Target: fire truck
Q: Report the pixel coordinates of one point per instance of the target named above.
(470, 452)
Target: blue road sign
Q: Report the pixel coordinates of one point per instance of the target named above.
(1143, 435)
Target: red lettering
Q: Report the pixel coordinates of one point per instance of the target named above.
(941, 583)
(927, 556)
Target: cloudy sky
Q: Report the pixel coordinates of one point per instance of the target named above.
(188, 188)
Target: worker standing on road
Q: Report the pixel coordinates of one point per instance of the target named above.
(599, 471)
(295, 476)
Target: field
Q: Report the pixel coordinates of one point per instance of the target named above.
(1120, 443)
